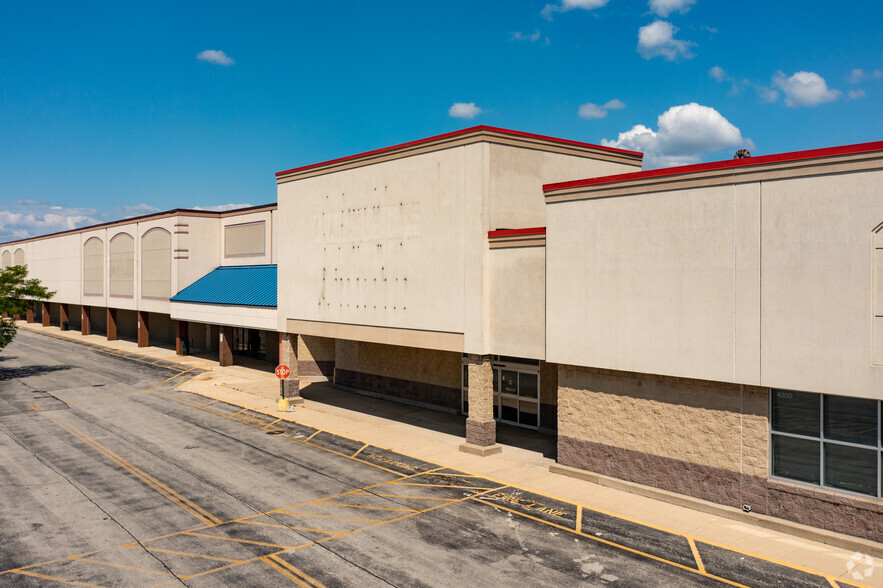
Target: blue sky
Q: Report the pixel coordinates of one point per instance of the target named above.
(115, 109)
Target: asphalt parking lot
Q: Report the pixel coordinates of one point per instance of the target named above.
(111, 476)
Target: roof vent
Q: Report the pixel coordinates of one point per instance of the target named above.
(742, 154)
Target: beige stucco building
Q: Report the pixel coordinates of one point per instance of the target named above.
(714, 330)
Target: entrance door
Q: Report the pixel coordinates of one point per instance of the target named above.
(516, 391)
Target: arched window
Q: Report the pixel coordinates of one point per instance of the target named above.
(122, 265)
(93, 267)
(156, 264)
(7, 259)
(19, 257)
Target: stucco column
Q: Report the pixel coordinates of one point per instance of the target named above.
(225, 346)
(182, 331)
(111, 324)
(143, 329)
(29, 317)
(44, 314)
(86, 320)
(62, 316)
(288, 356)
(481, 428)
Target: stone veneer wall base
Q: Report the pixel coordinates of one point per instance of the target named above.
(776, 524)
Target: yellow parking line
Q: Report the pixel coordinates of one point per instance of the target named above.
(199, 555)
(306, 514)
(284, 572)
(56, 579)
(172, 495)
(121, 566)
(360, 450)
(195, 534)
(365, 506)
(411, 497)
(699, 565)
(298, 571)
(612, 544)
(397, 483)
(579, 518)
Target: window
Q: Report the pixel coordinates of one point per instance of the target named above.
(828, 441)
(243, 240)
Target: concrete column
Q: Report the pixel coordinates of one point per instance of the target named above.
(45, 314)
(182, 331)
(30, 315)
(143, 329)
(86, 320)
(111, 324)
(225, 346)
(62, 316)
(481, 428)
(288, 356)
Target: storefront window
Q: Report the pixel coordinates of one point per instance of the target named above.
(830, 441)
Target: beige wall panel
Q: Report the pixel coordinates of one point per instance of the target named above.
(517, 176)
(93, 267)
(122, 265)
(18, 258)
(643, 283)
(878, 342)
(196, 249)
(156, 264)
(379, 245)
(57, 264)
(7, 258)
(252, 239)
(518, 302)
(818, 249)
(222, 314)
(245, 240)
(746, 251)
(717, 425)
(442, 368)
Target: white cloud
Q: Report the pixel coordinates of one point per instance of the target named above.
(223, 207)
(664, 8)
(214, 56)
(856, 94)
(591, 111)
(20, 219)
(657, 40)
(718, 73)
(685, 133)
(570, 5)
(467, 110)
(767, 95)
(518, 36)
(805, 88)
(857, 76)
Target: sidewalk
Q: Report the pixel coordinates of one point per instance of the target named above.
(436, 437)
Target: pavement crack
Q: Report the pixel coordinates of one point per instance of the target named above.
(85, 495)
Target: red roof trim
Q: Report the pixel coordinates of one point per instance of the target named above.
(452, 134)
(717, 165)
(516, 232)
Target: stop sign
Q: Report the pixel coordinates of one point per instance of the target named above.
(282, 371)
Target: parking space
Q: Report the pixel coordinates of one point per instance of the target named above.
(115, 477)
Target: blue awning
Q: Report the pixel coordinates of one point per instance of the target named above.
(242, 285)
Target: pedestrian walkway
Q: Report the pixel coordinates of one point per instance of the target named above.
(524, 462)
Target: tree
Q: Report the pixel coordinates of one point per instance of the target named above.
(16, 294)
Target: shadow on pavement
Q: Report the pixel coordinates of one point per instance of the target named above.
(31, 370)
(450, 424)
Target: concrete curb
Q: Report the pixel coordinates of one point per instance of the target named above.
(774, 524)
